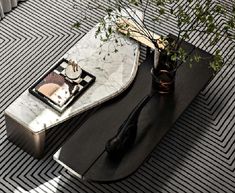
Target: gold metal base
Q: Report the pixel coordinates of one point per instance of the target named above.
(32, 143)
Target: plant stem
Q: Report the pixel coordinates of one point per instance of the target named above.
(148, 34)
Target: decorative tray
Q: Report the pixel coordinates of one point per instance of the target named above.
(62, 85)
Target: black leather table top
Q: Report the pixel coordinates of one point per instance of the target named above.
(85, 152)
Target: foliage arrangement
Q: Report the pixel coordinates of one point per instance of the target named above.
(212, 18)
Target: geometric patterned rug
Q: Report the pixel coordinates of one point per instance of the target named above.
(196, 155)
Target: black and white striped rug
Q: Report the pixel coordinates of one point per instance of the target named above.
(197, 155)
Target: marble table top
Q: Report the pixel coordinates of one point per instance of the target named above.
(113, 75)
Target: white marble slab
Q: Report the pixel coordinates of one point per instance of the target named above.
(113, 76)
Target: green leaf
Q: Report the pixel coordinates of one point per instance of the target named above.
(211, 28)
(217, 63)
(77, 25)
(109, 10)
(162, 11)
(174, 57)
(197, 58)
(156, 19)
(110, 30)
(231, 23)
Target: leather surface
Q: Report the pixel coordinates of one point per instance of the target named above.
(84, 152)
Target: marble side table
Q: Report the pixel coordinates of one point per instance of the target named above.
(27, 118)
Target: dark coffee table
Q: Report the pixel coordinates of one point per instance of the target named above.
(84, 154)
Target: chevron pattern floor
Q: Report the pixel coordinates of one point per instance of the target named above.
(197, 155)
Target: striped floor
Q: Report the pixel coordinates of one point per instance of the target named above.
(197, 155)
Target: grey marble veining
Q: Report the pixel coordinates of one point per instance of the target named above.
(113, 75)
